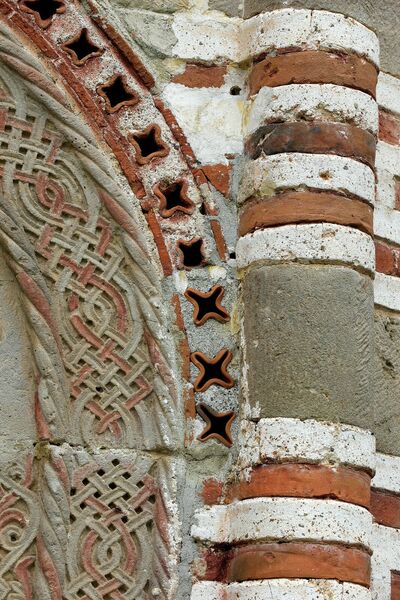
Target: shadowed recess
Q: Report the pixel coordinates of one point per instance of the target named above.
(212, 371)
(218, 425)
(148, 144)
(207, 305)
(174, 198)
(192, 253)
(116, 93)
(44, 10)
(81, 48)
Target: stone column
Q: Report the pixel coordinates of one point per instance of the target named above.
(306, 261)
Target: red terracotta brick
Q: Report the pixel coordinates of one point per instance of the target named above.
(385, 507)
(133, 60)
(160, 242)
(198, 76)
(212, 492)
(302, 560)
(219, 176)
(389, 128)
(387, 258)
(219, 239)
(177, 132)
(303, 481)
(314, 66)
(305, 207)
(395, 595)
(340, 139)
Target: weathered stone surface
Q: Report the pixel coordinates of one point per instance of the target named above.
(232, 8)
(387, 382)
(309, 343)
(379, 15)
(17, 377)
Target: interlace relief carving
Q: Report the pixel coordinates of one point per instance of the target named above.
(82, 285)
(19, 523)
(118, 536)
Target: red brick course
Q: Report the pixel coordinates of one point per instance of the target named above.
(385, 508)
(198, 76)
(340, 139)
(313, 66)
(305, 207)
(387, 258)
(304, 560)
(295, 480)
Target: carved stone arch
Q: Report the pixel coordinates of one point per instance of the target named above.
(73, 235)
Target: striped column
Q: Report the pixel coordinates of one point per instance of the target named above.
(294, 521)
(305, 253)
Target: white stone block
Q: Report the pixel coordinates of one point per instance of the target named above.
(280, 589)
(293, 440)
(387, 476)
(210, 119)
(269, 174)
(314, 29)
(387, 291)
(313, 102)
(388, 93)
(316, 242)
(289, 519)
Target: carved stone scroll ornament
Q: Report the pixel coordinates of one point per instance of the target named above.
(90, 289)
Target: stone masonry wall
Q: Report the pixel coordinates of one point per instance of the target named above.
(199, 316)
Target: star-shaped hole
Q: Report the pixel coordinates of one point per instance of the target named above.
(192, 253)
(174, 198)
(117, 94)
(212, 371)
(43, 10)
(81, 48)
(207, 305)
(218, 425)
(148, 144)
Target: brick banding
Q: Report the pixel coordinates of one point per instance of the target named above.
(297, 480)
(385, 508)
(387, 258)
(314, 66)
(305, 207)
(199, 76)
(299, 560)
(395, 592)
(340, 139)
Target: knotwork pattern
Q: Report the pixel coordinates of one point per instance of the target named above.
(82, 281)
(19, 520)
(116, 512)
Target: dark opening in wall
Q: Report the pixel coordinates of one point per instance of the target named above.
(212, 371)
(116, 93)
(81, 48)
(192, 253)
(148, 144)
(43, 10)
(207, 305)
(218, 425)
(173, 198)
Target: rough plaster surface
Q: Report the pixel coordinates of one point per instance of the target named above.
(309, 343)
(17, 384)
(387, 382)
